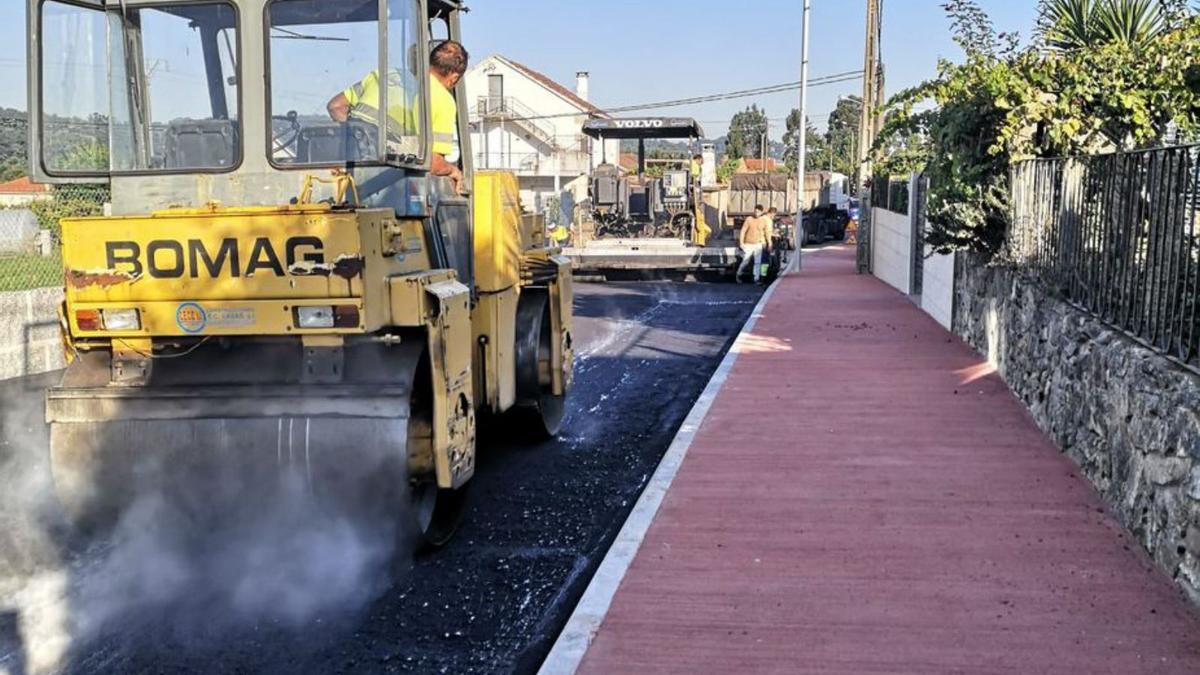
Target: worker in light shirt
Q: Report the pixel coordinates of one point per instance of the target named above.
(753, 241)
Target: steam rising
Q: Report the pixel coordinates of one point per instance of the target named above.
(179, 567)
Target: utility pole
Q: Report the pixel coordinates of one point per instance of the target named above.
(871, 92)
(803, 154)
(766, 145)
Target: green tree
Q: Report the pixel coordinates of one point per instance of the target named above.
(842, 134)
(746, 130)
(818, 151)
(972, 121)
(12, 168)
(87, 155)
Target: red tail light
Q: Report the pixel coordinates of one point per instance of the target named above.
(346, 316)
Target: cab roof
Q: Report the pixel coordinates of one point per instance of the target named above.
(284, 14)
(644, 127)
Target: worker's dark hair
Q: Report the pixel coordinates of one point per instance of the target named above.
(772, 210)
(699, 157)
(758, 207)
(449, 58)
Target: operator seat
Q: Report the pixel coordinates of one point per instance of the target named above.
(605, 186)
(335, 143)
(200, 144)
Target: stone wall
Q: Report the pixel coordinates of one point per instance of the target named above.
(29, 336)
(1127, 416)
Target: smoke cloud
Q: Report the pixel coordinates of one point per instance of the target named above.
(192, 561)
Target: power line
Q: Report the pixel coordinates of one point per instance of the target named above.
(837, 78)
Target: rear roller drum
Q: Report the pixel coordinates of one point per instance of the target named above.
(535, 396)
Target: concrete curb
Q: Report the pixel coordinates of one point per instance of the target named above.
(572, 644)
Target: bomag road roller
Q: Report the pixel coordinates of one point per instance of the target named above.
(270, 289)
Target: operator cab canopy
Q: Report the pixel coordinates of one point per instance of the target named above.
(186, 102)
(643, 128)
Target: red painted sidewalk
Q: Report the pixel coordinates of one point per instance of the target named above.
(865, 496)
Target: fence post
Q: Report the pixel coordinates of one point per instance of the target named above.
(863, 237)
(916, 220)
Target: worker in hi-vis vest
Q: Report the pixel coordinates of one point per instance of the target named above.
(447, 64)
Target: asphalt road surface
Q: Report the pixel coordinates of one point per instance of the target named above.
(540, 520)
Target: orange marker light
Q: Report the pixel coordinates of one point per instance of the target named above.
(88, 319)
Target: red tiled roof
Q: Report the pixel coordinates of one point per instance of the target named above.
(550, 84)
(23, 185)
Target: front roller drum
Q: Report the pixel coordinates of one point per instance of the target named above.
(215, 454)
(216, 470)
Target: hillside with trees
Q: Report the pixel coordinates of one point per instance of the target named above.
(14, 141)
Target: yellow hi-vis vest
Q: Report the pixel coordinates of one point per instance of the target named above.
(403, 104)
(443, 120)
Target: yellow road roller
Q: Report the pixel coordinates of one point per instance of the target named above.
(271, 289)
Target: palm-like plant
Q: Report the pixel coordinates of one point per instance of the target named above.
(1068, 24)
(1083, 24)
(1130, 21)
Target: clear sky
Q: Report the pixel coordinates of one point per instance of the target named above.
(649, 50)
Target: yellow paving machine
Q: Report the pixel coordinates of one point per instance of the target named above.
(272, 290)
(645, 221)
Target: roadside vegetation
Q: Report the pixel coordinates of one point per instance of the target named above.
(1098, 76)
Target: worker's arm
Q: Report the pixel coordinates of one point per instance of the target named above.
(339, 108)
(440, 167)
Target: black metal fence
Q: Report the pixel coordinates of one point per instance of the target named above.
(1117, 235)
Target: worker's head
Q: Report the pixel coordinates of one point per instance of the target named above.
(448, 61)
(758, 210)
(698, 158)
(772, 211)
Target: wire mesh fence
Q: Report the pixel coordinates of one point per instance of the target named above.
(1117, 235)
(30, 233)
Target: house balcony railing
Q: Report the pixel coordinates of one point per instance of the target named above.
(511, 110)
(565, 164)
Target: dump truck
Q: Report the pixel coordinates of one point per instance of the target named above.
(825, 202)
(275, 291)
(643, 221)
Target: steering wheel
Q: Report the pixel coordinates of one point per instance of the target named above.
(287, 137)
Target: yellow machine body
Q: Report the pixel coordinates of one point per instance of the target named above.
(228, 272)
(296, 291)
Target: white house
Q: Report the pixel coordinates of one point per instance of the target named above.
(523, 121)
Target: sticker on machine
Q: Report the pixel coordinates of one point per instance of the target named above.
(194, 318)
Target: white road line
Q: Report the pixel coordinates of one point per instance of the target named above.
(581, 628)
